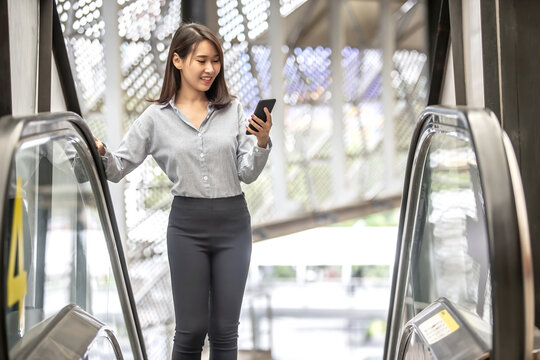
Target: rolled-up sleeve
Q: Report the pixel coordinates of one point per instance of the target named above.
(251, 158)
(132, 150)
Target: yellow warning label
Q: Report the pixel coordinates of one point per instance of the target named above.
(16, 277)
(438, 327)
(449, 320)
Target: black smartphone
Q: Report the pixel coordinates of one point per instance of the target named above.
(259, 111)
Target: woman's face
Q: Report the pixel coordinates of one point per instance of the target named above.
(200, 68)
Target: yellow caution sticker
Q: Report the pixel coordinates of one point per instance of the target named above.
(449, 320)
(16, 276)
(438, 327)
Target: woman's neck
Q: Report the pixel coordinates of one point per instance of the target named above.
(191, 97)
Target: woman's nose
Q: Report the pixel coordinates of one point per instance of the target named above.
(209, 68)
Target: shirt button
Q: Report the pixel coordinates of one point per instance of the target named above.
(202, 155)
(256, 149)
(205, 178)
(199, 134)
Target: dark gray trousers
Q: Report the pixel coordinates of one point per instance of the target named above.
(209, 248)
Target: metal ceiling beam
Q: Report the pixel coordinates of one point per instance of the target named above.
(355, 23)
(298, 30)
(324, 217)
(316, 21)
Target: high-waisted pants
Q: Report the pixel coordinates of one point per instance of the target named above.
(209, 248)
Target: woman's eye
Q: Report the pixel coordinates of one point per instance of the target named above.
(201, 61)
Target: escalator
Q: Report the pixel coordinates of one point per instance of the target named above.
(462, 286)
(67, 293)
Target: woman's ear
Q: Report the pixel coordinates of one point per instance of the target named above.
(177, 61)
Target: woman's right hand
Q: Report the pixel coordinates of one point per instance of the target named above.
(99, 145)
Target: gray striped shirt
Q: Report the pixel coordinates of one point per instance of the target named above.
(205, 163)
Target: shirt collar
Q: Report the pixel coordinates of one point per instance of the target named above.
(171, 104)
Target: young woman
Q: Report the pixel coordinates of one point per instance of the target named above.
(196, 132)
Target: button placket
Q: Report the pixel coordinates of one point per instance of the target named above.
(204, 168)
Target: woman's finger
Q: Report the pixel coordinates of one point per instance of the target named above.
(256, 122)
(99, 146)
(268, 117)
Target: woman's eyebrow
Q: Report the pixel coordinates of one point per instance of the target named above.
(206, 56)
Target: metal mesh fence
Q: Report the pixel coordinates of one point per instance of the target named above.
(83, 29)
(145, 28)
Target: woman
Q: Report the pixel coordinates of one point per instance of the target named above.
(196, 132)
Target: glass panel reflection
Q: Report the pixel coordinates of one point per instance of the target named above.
(101, 349)
(417, 349)
(450, 246)
(62, 250)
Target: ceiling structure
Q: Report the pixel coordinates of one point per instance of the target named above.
(308, 24)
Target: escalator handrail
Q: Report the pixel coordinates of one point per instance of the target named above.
(9, 136)
(510, 305)
(12, 131)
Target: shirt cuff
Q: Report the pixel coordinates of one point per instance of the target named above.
(105, 157)
(266, 149)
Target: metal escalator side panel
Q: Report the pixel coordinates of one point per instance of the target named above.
(70, 127)
(504, 253)
(510, 336)
(120, 265)
(70, 334)
(525, 241)
(410, 198)
(86, 134)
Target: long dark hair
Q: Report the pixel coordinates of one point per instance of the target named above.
(186, 38)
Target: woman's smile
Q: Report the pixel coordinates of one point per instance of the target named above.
(207, 79)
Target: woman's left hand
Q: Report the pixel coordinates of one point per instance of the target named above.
(263, 133)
